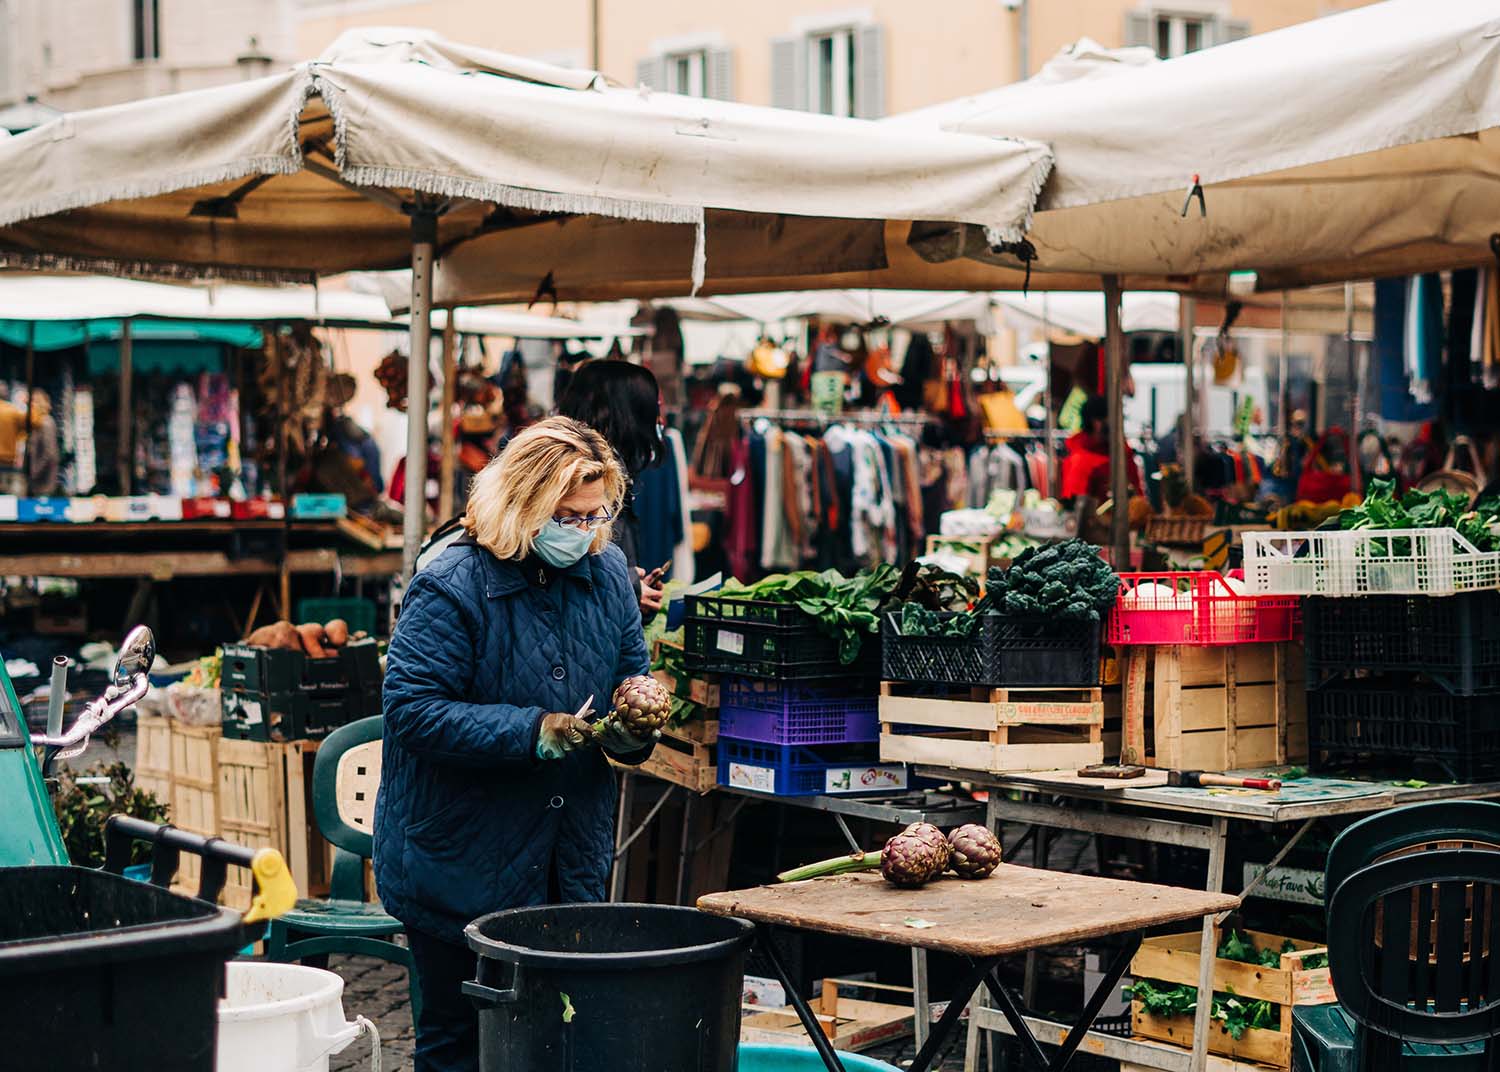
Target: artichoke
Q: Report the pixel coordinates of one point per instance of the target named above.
(642, 705)
(910, 860)
(931, 834)
(975, 851)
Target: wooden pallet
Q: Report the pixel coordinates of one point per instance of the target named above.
(686, 755)
(993, 730)
(265, 800)
(1174, 958)
(1220, 708)
(851, 1024)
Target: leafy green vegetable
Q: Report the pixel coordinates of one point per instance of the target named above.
(918, 621)
(1438, 508)
(1065, 581)
(935, 588)
(843, 607)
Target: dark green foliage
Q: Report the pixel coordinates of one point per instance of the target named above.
(1438, 508)
(843, 607)
(918, 621)
(82, 809)
(935, 588)
(1066, 581)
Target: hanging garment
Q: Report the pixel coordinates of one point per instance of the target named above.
(1424, 334)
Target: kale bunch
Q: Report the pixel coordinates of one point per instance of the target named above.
(935, 588)
(916, 620)
(1065, 581)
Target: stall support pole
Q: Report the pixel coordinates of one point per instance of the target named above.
(1049, 421)
(450, 386)
(414, 521)
(1356, 386)
(1186, 447)
(1283, 388)
(125, 441)
(30, 393)
(1114, 388)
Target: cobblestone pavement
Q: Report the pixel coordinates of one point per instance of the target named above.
(377, 991)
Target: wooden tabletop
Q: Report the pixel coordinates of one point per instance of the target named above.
(1310, 797)
(1014, 910)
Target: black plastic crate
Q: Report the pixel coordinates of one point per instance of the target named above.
(756, 638)
(1399, 720)
(99, 971)
(1002, 652)
(1454, 640)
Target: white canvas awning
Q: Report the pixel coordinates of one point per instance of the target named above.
(1352, 146)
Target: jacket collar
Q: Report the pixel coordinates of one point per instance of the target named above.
(505, 577)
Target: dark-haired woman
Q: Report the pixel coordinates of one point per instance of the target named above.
(622, 402)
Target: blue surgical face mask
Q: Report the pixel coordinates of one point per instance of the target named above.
(561, 546)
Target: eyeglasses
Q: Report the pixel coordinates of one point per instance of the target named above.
(585, 524)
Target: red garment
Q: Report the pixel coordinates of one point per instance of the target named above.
(1085, 470)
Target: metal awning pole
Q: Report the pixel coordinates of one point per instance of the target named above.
(30, 432)
(450, 388)
(423, 253)
(1355, 387)
(1049, 421)
(125, 441)
(1186, 449)
(1283, 387)
(1114, 389)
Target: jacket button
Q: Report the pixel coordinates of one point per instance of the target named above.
(555, 802)
(558, 673)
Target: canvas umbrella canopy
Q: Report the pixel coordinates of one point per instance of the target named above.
(395, 146)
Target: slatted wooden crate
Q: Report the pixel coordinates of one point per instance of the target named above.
(195, 788)
(993, 730)
(153, 757)
(686, 755)
(265, 800)
(851, 1024)
(1174, 958)
(1221, 708)
(703, 691)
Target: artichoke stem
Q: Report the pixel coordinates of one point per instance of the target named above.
(860, 861)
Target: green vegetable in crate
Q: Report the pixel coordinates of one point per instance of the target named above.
(974, 851)
(1439, 508)
(913, 858)
(934, 588)
(917, 621)
(1067, 581)
(642, 705)
(843, 608)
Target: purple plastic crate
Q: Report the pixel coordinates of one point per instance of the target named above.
(786, 712)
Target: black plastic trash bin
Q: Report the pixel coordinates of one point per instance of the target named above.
(103, 973)
(622, 987)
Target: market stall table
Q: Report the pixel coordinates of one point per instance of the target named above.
(1148, 809)
(1014, 911)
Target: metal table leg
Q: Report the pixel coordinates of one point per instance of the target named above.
(799, 1003)
(617, 871)
(1008, 1006)
(1202, 1019)
(942, 1031)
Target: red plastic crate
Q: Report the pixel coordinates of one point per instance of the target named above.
(1203, 610)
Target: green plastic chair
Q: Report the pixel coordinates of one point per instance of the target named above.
(346, 776)
(1435, 1006)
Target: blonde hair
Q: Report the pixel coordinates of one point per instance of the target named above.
(518, 492)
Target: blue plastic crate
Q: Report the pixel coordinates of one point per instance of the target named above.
(793, 771)
(786, 712)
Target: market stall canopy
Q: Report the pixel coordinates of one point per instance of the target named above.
(308, 171)
(899, 308)
(1082, 312)
(1353, 146)
(65, 302)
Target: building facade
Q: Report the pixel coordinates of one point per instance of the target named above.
(877, 58)
(72, 54)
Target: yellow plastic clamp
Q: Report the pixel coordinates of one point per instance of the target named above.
(276, 893)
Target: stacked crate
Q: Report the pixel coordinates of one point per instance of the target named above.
(276, 694)
(793, 719)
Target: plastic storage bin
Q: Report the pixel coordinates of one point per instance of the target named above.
(1398, 720)
(758, 638)
(785, 712)
(792, 771)
(1198, 608)
(1362, 562)
(1002, 652)
(99, 971)
(1455, 640)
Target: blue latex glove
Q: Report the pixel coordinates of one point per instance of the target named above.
(559, 734)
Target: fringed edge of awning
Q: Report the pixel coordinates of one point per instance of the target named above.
(170, 271)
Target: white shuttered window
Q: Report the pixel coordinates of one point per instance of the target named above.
(835, 71)
(693, 72)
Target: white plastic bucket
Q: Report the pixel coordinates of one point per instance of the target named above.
(280, 1018)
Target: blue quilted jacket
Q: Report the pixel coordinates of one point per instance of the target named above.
(468, 820)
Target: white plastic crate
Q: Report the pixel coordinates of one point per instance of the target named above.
(1364, 562)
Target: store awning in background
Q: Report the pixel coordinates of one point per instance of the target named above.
(67, 334)
(1348, 147)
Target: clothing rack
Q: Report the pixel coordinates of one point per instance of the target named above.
(822, 419)
(1057, 434)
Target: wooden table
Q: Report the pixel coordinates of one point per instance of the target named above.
(1014, 911)
(1147, 809)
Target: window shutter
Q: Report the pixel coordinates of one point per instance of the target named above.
(652, 73)
(869, 72)
(718, 74)
(1231, 30)
(789, 72)
(1138, 29)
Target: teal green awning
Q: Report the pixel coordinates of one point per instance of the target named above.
(66, 334)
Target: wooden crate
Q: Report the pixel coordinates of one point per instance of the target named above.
(153, 757)
(993, 730)
(852, 1024)
(702, 691)
(979, 559)
(686, 755)
(1215, 1064)
(195, 789)
(1174, 958)
(265, 800)
(1219, 708)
